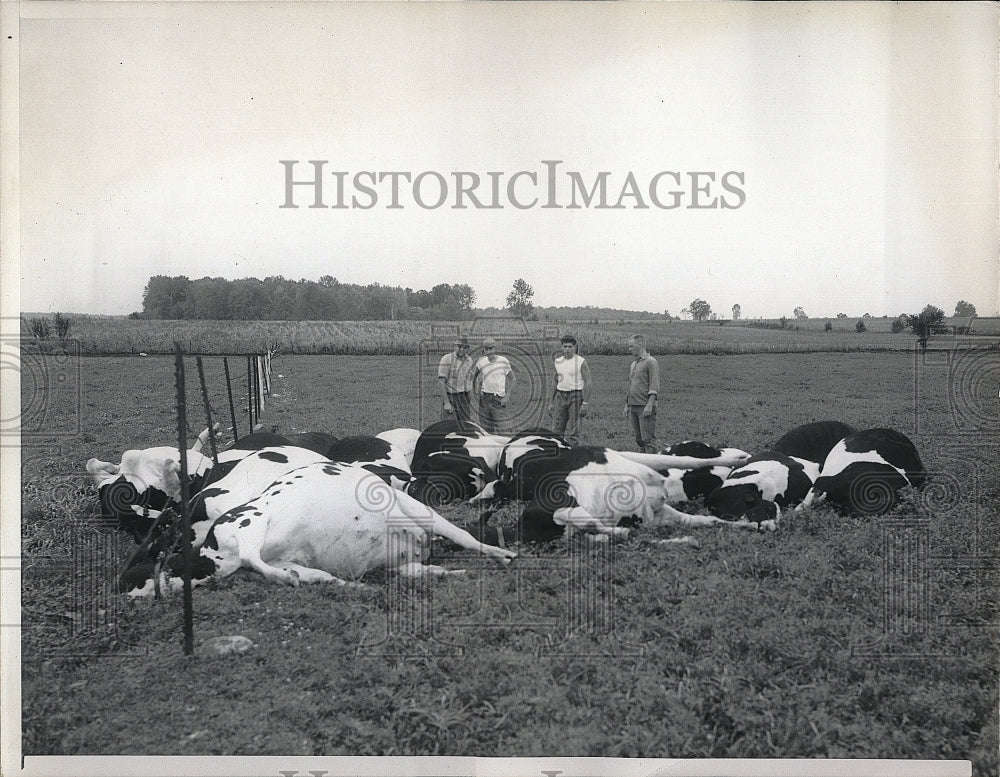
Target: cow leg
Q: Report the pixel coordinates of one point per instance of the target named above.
(416, 569)
(579, 519)
(685, 540)
(462, 538)
(310, 575)
(687, 519)
(246, 542)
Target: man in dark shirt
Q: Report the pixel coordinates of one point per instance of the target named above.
(644, 385)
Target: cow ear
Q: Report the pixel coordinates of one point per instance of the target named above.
(171, 477)
(99, 470)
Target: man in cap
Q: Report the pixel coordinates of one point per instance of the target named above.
(572, 391)
(455, 379)
(495, 379)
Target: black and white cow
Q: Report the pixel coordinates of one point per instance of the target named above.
(526, 446)
(256, 470)
(403, 440)
(320, 442)
(453, 460)
(320, 523)
(459, 437)
(375, 454)
(812, 441)
(864, 472)
(756, 491)
(698, 482)
(135, 491)
(591, 489)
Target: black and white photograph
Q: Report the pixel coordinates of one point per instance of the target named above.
(499, 388)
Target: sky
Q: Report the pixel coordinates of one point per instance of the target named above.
(859, 143)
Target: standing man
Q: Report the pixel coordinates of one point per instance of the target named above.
(455, 378)
(572, 391)
(495, 380)
(643, 386)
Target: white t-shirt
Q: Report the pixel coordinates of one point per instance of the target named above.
(494, 374)
(569, 373)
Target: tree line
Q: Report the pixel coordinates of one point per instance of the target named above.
(279, 299)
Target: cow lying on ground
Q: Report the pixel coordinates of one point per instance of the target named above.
(812, 441)
(453, 460)
(321, 523)
(592, 489)
(403, 440)
(134, 490)
(756, 491)
(462, 438)
(685, 485)
(865, 471)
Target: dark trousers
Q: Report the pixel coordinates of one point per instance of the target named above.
(644, 428)
(461, 407)
(490, 412)
(567, 418)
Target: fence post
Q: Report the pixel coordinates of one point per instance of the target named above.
(208, 411)
(185, 510)
(232, 407)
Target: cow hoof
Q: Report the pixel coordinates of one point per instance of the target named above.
(768, 525)
(293, 578)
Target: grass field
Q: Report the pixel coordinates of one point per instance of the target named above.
(814, 641)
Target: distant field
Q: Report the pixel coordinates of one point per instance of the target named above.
(97, 335)
(804, 643)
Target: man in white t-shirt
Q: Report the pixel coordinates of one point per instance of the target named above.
(572, 391)
(494, 380)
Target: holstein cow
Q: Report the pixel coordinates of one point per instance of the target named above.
(812, 441)
(403, 440)
(592, 489)
(453, 460)
(689, 484)
(756, 491)
(375, 454)
(865, 471)
(523, 447)
(244, 481)
(257, 470)
(320, 523)
(135, 491)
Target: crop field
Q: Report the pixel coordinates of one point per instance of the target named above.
(104, 335)
(834, 637)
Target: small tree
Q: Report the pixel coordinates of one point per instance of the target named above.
(860, 326)
(40, 328)
(62, 324)
(965, 309)
(736, 311)
(827, 326)
(783, 321)
(699, 309)
(929, 321)
(799, 313)
(519, 299)
(898, 325)
(841, 315)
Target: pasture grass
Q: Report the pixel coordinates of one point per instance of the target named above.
(790, 644)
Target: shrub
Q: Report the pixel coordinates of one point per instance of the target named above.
(827, 327)
(40, 328)
(860, 326)
(62, 324)
(898, 325)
